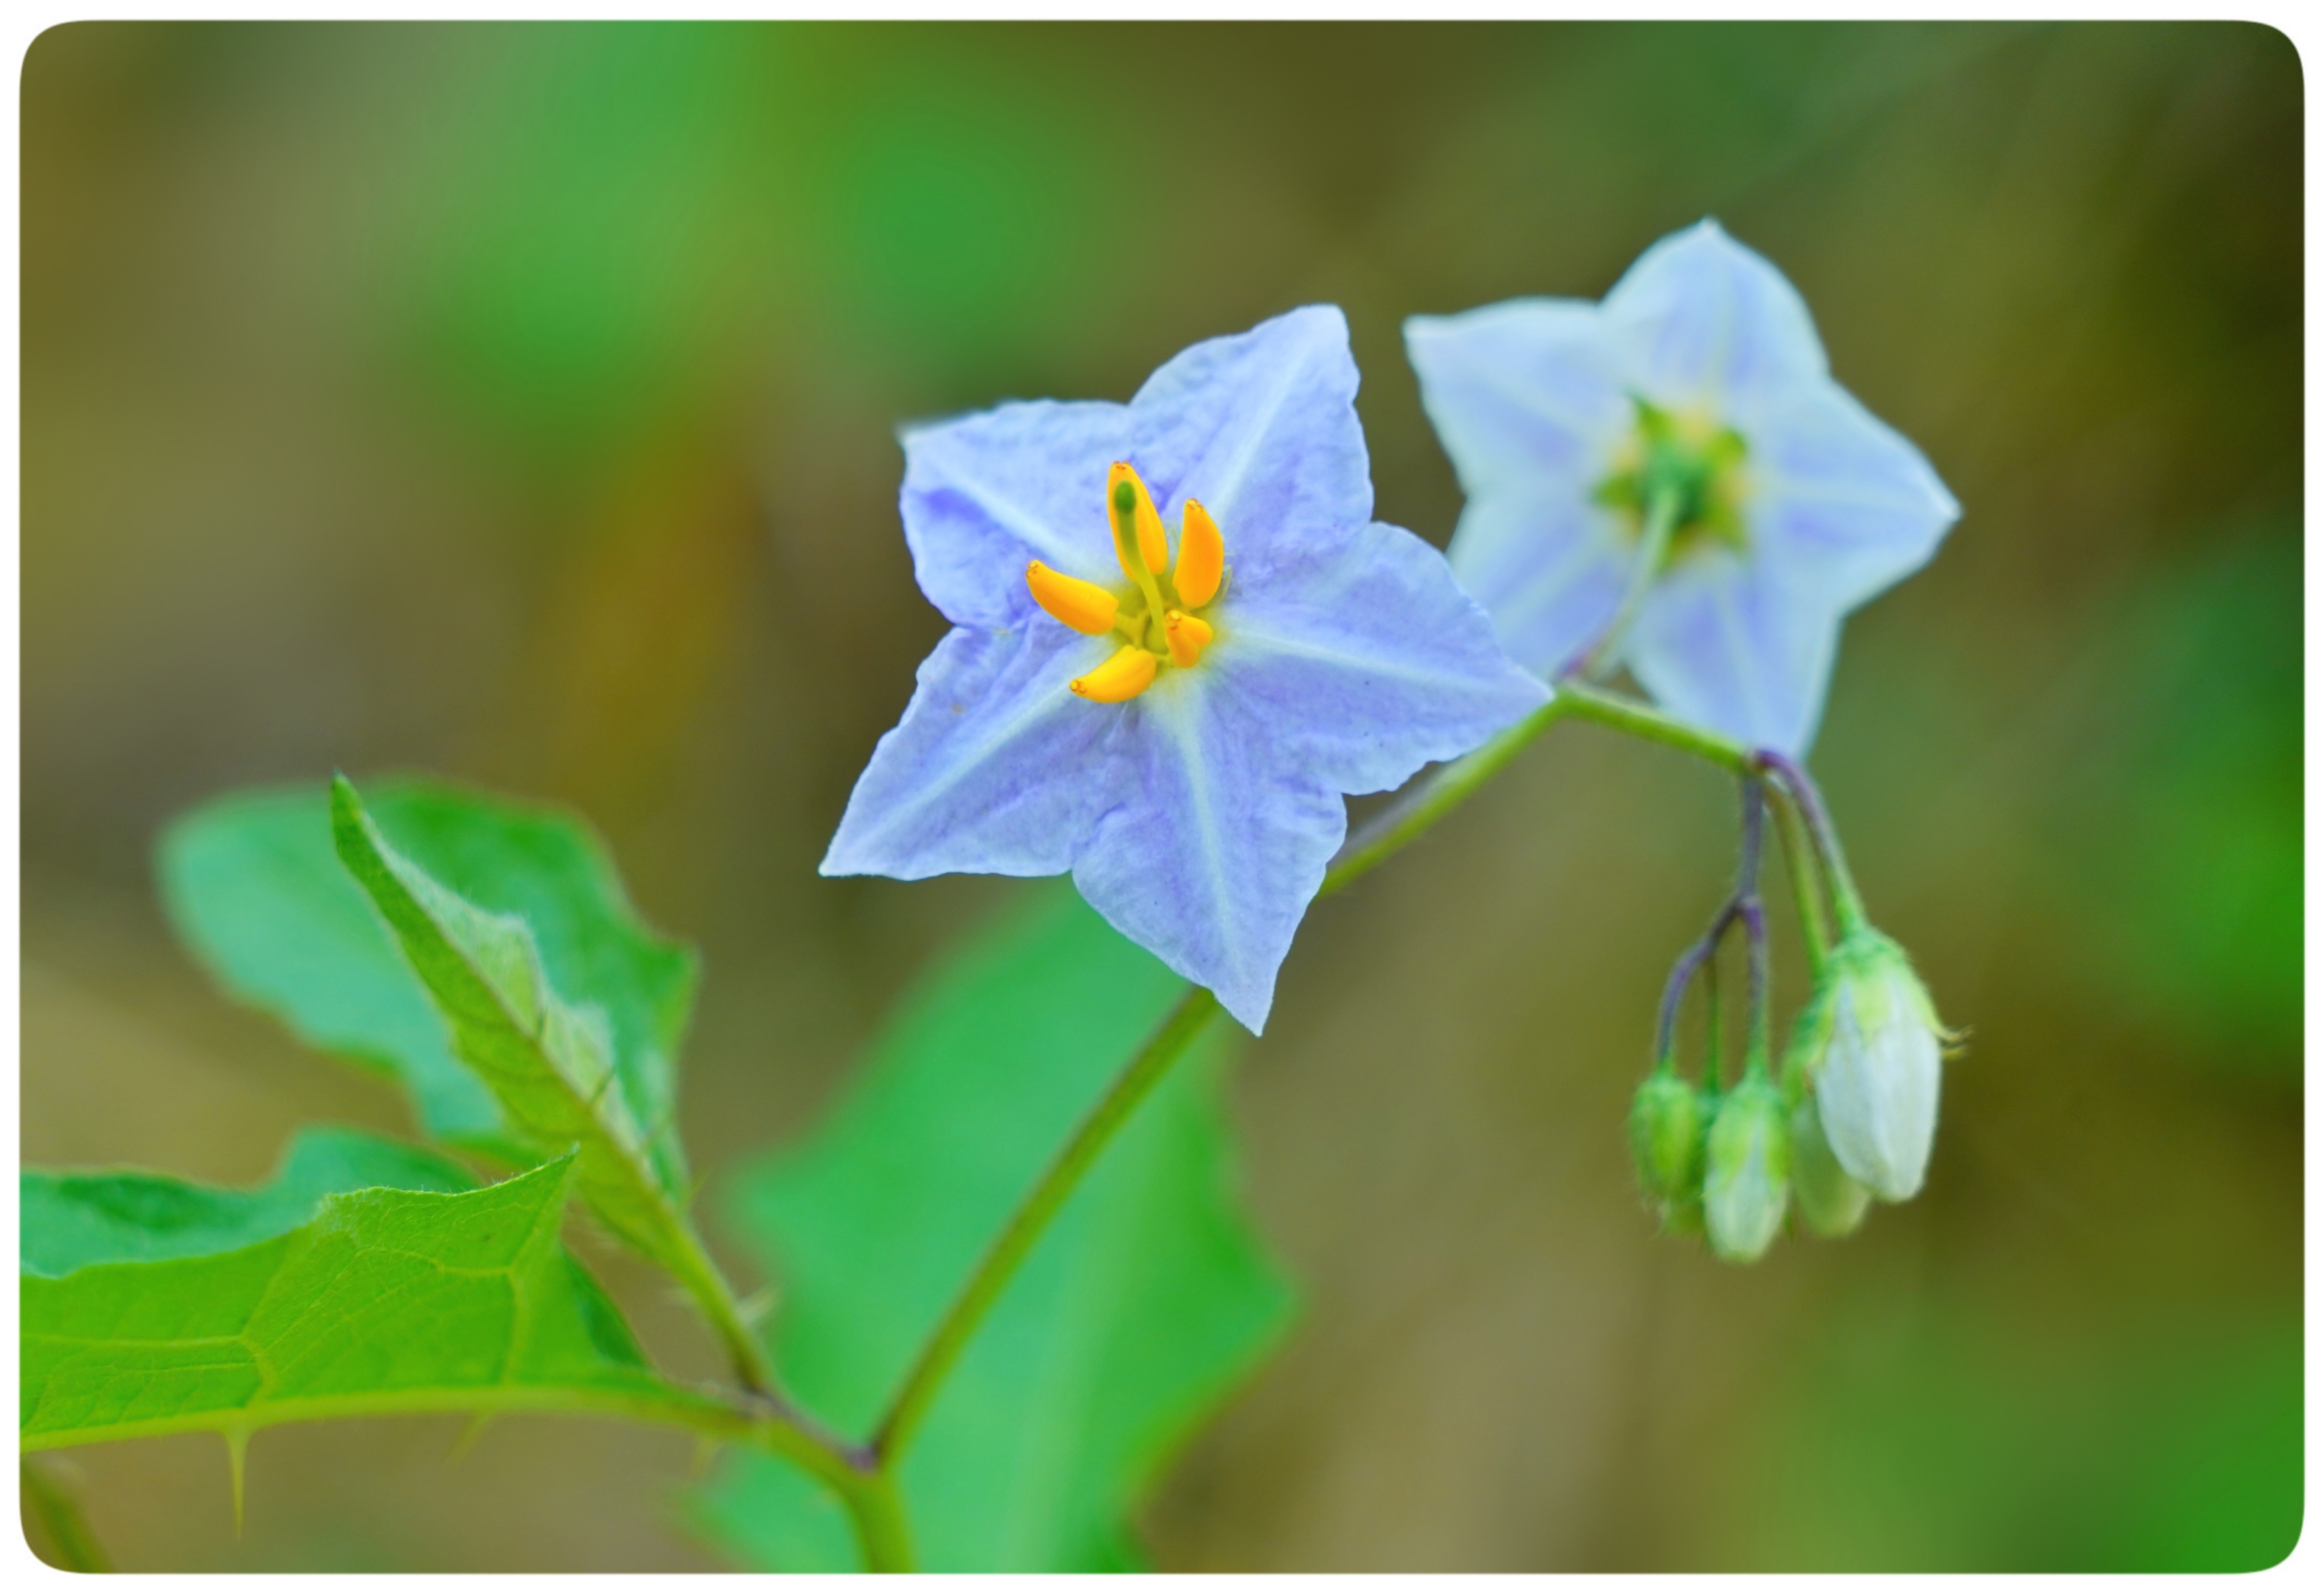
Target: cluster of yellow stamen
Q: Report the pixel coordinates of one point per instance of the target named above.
(1157, 619)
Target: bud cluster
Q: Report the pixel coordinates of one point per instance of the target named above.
(1852, 1116)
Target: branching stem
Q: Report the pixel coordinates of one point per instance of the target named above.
(864, 1477)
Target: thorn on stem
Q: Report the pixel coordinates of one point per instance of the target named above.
(237, 1445)
(470, 1432)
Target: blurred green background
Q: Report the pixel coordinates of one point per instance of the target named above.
(517, 403)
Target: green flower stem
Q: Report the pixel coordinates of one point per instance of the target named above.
(1449, 787)
(1388, 834)
(1807, 884)
(1846, 899)
(1032, 1217)
(869, 1490)
(1651, 724)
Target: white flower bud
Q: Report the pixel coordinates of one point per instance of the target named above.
(1747, 1170)
(1876, 1085)
(1832, 1203)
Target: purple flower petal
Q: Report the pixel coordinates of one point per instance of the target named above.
(1704, 321)
(1841, 499)
(1199, 817)
(986, 494)
(1834, 505)
(996, 768)
(1728, 643)
(1528, 395)
(1549, 567)
(1262, 429)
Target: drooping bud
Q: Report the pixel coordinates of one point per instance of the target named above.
(1831, 1202)
(1746, 1170)
(1668, 1123)
(1876, 1080)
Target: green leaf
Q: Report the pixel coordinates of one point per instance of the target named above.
(67, 1221)
(550, 1039)
(255, 886)
(1148, 1299)
(383, 1301)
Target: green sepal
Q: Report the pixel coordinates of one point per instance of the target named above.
(1668, 1126)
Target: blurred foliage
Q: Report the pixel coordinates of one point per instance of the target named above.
(1135, 1314)
(70, 1221)
(518, 403)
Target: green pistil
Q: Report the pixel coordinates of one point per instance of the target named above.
(1144, 630)
(1699, 468)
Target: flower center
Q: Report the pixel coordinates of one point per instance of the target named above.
(1158, 617)
(1693, 463)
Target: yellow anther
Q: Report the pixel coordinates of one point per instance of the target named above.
(1152, 545)
(1085, 605)
(1120, 678)
(1188, 637)
(1201, 557)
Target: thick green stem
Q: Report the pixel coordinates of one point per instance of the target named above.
(698, 1275)
(873, 1505)
(1032, 1218)
(876, 1507)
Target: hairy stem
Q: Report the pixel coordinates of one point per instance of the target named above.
(1741, 903)
(1807, 883)
(1586, 702)
(698, 1275)
(865, 1479)
(1389, 832)
(1802, 786)
(1025, 1225)
(1436, 794)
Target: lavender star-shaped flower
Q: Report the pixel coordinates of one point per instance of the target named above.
(1176, 732)
(1701, 376)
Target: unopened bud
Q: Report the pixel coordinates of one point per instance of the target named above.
(1831, 1202)
(1746, 1170)
(1667, 1123)
(1875, 1081)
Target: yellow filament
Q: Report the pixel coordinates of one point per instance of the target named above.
(1151, 546)
(1188, 637)
(1085, 605)
(1120, 678)
(1201, 557)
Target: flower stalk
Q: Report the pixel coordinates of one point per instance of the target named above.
(864, 1478)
